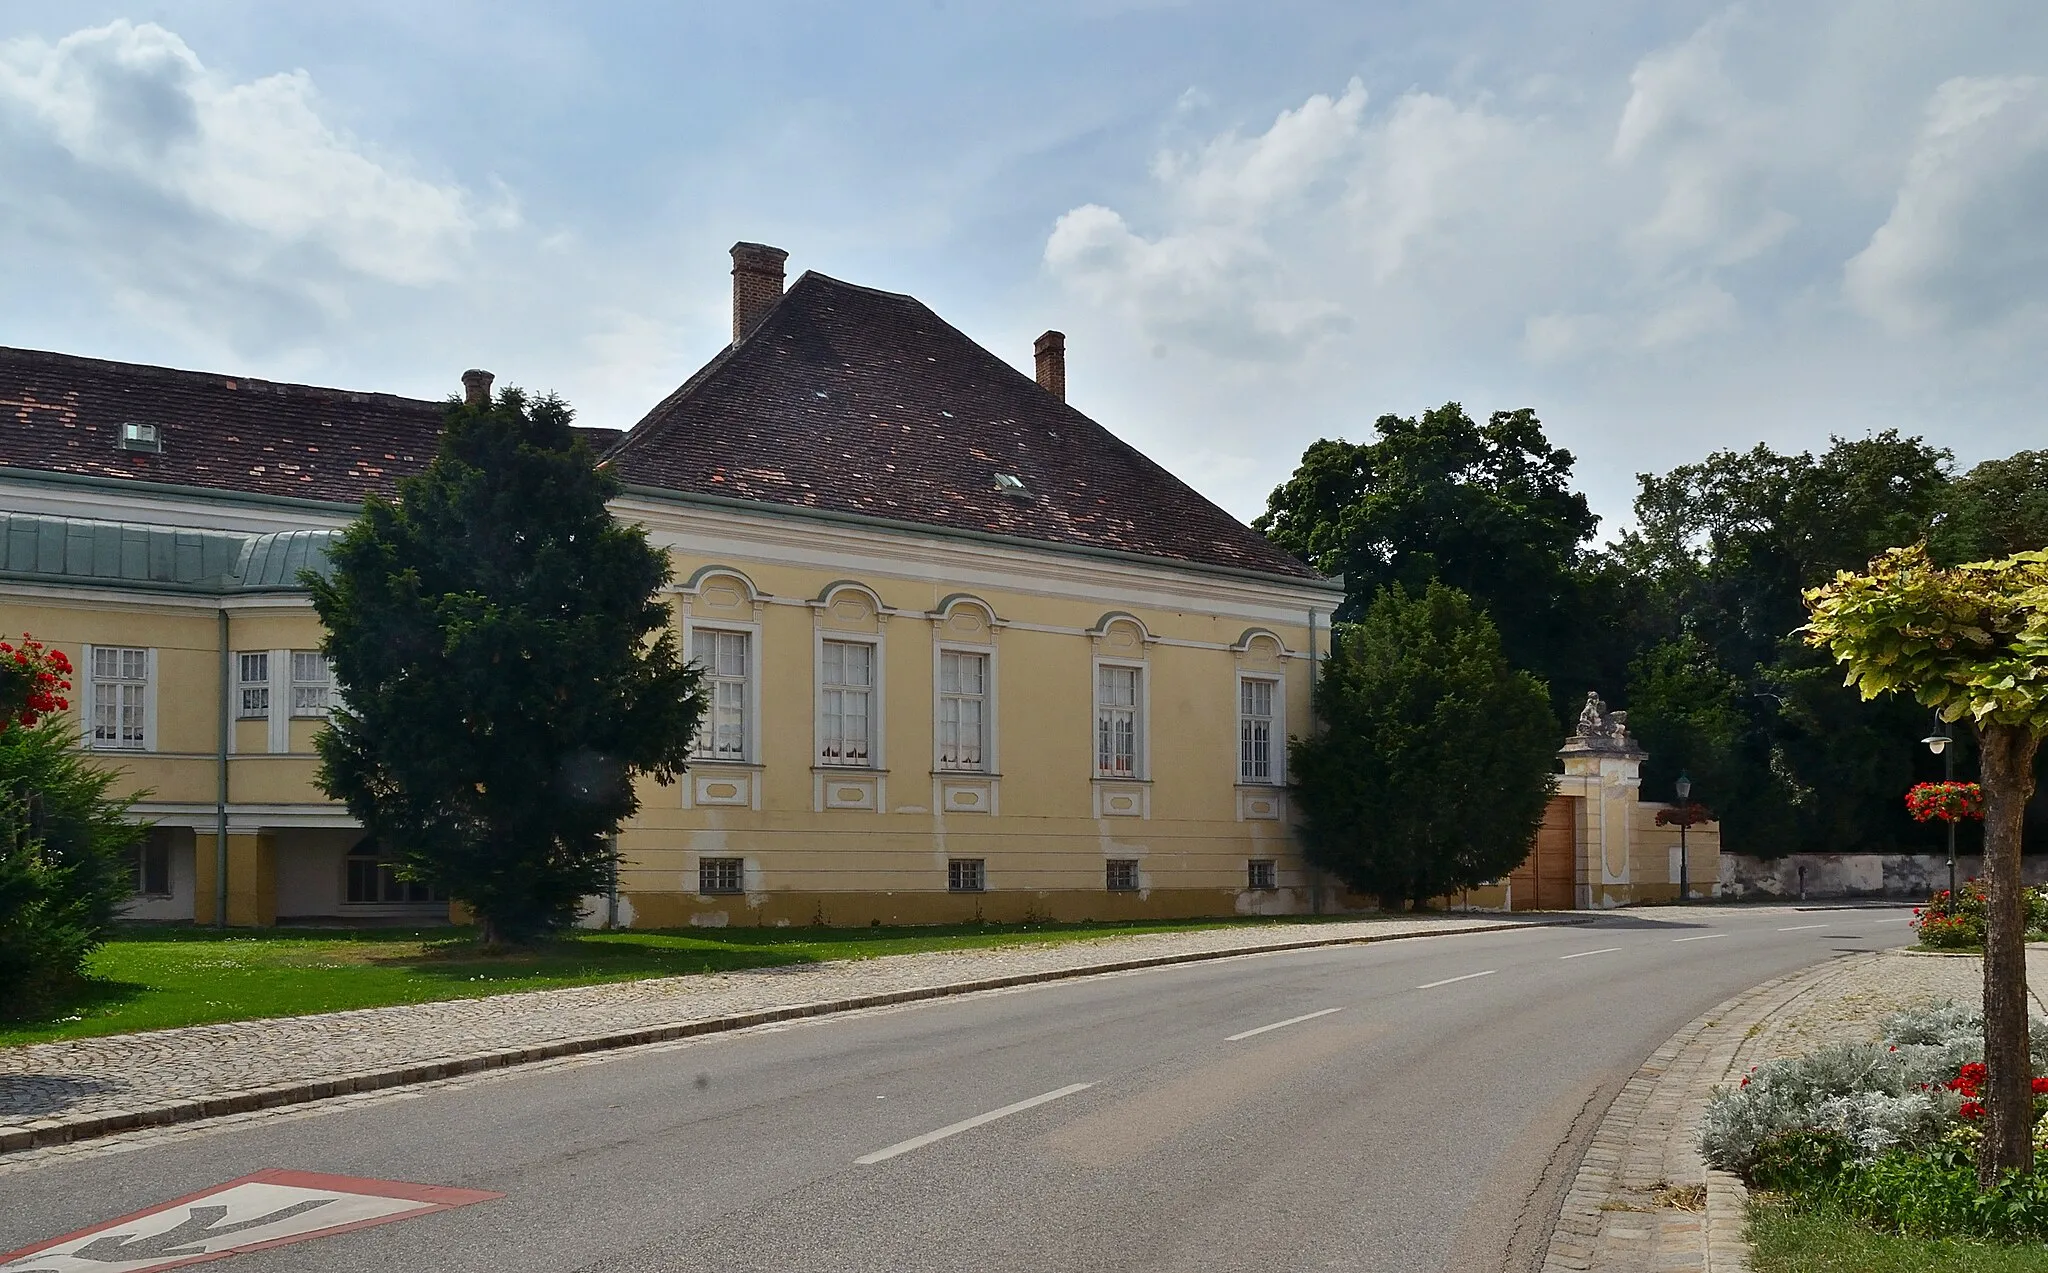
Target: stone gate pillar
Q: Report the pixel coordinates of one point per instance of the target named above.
(1603, 765)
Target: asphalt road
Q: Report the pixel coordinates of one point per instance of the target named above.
(1425, 1113)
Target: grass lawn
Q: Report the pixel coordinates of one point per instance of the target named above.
(1800, 1241)
(150, 978)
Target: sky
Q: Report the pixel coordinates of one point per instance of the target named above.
(1668, 227)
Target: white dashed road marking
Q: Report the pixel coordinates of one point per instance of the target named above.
(1604, 950)
(1800, 928)
(968, 1124)
(1701, 937)
(1306, 1016)
(1431, 985)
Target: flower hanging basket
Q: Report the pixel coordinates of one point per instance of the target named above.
(1945, 801)
(1684, 815)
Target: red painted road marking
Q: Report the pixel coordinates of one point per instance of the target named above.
(270, 1208)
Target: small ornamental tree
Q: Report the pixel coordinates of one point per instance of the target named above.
(506, 667)
(1972, 643)
(1435, 759)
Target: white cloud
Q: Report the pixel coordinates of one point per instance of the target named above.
(118, 132)
(1965, 245)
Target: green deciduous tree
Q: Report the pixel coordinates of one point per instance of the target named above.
(506, 666)
(63, 877)
(1722, 551)
(1995, 510)
(1435, 758)
(1487, 509)
(1971, 642)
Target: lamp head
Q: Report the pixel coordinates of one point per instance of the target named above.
(1936, 743)
(1684, 786)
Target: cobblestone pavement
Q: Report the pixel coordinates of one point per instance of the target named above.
(51, 1092)
(1643, 1201)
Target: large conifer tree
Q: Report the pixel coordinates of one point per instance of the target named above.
(1435, 759)
(506, 668)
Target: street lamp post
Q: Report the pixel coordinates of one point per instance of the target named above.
(1938, 744)
(1684, 820)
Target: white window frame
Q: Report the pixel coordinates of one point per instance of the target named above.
(1141, 742)
(877, 700)
(987, 655)
(245, 686)
(297, 683)
(90, 700)
(1276, 743)
(751, 727)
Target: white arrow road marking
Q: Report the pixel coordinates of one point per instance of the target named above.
(968, 1124)
(1604, 950)
(1701, 937)
(1431, 985)
(270, 1208)
(1306, 1016)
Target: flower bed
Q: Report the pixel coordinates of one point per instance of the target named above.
(1957, 922)
(1885, 1132)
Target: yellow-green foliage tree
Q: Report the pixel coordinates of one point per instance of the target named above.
(1971, 642)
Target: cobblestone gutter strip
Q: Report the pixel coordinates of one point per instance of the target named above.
(60, 1129)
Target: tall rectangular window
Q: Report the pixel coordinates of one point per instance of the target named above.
(312, 683)
(963, 710)
(1255, 730)
(120, 698)
(252, 697)
(722, 735)
(846, 689)
(149, 865)
(1118, 721)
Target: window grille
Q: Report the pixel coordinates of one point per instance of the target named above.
(253, 698)
(312, 683)
(722, 734)
(120, 695)
(846, 688)
(1117, 722)
(963, 710)
(1261, 873)
(966, 875)
(1123, 875)
(1255, 731)
(721, 875)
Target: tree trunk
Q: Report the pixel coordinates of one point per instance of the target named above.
(2006, 755)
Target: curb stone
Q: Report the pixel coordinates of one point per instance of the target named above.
(40, 1132)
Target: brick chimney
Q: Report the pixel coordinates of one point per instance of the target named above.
(756, 284)
(1051, 349)
(476, 387)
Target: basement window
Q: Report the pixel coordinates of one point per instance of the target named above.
(1123, 875)
(966, 875)
(721, 875)
(137, 436)
(1261, 874)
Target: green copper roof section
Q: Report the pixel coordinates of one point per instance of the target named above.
(76, 550)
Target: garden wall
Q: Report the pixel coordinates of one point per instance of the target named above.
(1910, 876)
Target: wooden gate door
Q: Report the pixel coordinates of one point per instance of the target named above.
(1548, 878)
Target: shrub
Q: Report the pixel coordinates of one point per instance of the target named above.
(62, 874)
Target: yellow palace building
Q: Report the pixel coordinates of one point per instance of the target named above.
(966, 653)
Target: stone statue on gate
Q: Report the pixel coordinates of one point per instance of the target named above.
(1600, 729)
